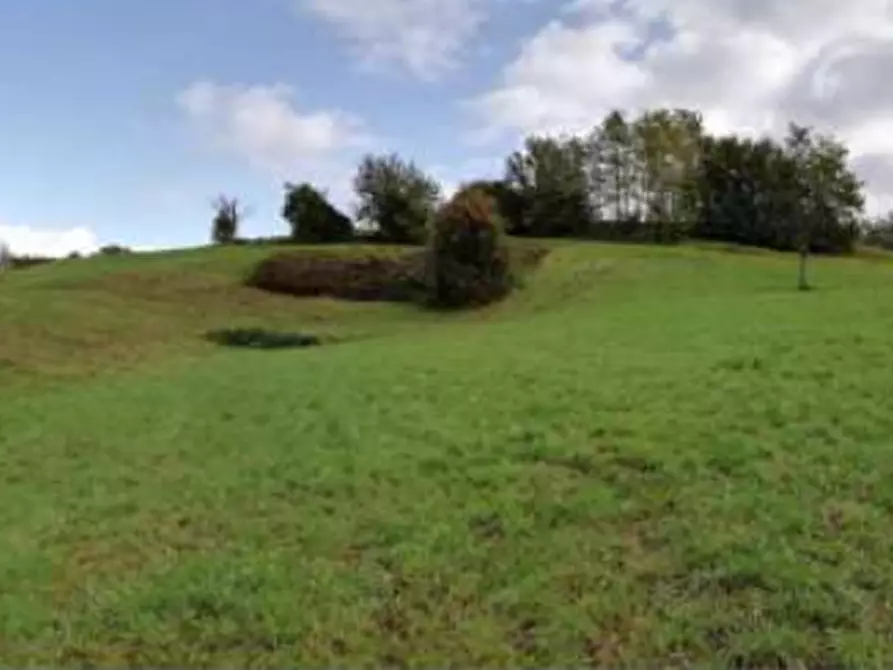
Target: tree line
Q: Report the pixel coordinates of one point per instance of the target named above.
(659, 177)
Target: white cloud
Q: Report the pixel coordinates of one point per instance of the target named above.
(749, 65)
(28, 241)
(424, 36)
(262, 125)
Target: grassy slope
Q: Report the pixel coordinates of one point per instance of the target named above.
(649, 455)
(77, 318)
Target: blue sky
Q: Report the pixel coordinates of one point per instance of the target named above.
(120, 121)
(94, 135)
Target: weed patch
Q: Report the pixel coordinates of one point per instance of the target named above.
(258, 338)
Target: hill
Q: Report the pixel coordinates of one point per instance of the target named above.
(648, 456)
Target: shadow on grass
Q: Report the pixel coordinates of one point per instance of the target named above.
(259, 338)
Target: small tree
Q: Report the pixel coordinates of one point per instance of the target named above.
(467, 261)
(228, 215)
(312, 217)
(397, 197)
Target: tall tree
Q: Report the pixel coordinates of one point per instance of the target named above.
(620, 169)
(312, 217)
(827, 195)
(667, 144)
(549, 180)
(397, 197)
(228, 214)
(798, 195)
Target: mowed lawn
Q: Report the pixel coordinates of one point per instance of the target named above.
(649, 457)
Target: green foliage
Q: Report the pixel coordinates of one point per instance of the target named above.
(467, 261)
(228, 215)
(628, 179)
(510, 203)
(879, 232)
(548, 181)
(797, 195)
(660, 178)
(114, 250)
(396, 197)
(312, 217)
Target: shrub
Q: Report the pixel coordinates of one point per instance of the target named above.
(396, 197)
(467, 261)
(312, 217)
(362, 278)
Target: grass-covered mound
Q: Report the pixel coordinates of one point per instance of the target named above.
(372, 276)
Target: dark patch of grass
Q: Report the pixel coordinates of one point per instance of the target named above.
(260, 338)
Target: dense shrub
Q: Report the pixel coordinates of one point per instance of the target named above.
(467, 261)
(374, 276)
(312, 217)
(365, 278)
(24, 262)
(510, 204)
(396, 197)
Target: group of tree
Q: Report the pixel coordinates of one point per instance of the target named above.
(878, 232)
(658, 177)
(661, 177)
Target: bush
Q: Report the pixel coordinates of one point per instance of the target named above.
(397, 198)
(362, 278)
(312, 217)
(467, 261)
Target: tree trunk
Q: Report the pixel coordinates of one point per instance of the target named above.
(803, 283)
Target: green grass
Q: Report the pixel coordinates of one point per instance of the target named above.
(649, 457)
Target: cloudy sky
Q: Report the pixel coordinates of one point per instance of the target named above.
(120, 121)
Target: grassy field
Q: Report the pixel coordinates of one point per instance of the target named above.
(649, 457)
